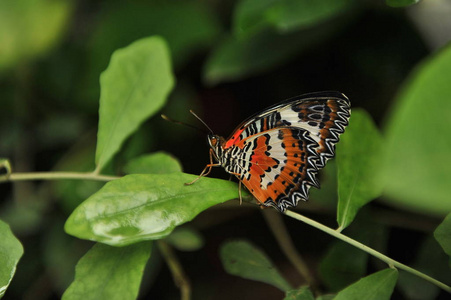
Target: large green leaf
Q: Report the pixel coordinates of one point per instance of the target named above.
(417, 172)
(29, 28)
(443, 234)
(133, 87)
(377, 286)
(145, 206)
(107, 272)
(358, 164)
(155, 163)
(11, 251)
(285, 15)
(242, 259)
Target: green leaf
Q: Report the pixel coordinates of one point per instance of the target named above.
(378, 286)
(186, 239)
(342, 265)
(145, 207)
(133, 87)
(431, 260)
(155, 163)
(242, 259)
(358, 163)
(285, 15)
(109, 272)
(443, 234)
(302, 293)
(400, 3)
(417, 170)
(235, 58)
(30, 28)
(326, 196)
(11, 251)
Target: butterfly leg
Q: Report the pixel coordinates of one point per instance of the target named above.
(239, 193)
(206, 170)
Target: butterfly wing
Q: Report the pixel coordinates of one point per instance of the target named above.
(281, 167)
(284, 146)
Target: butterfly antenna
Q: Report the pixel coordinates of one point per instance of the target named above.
(202, 121)
(164, 117)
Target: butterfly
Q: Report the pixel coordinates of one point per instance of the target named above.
(278, 152)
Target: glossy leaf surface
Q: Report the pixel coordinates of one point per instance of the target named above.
(145, 207)
(11, 251)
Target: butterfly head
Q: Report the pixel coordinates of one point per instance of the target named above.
(215, 142)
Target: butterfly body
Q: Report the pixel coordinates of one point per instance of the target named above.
(277, 153)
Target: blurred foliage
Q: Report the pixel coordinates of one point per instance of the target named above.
(30, 28)
(401, 3)
(245, 260)
(226, 60)
(418, 164)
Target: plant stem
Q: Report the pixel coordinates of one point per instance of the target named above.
(174, 265)
(56, 176)
(388, 260)
(275, 222)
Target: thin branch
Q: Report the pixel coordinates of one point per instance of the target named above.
(275, 222)
(386, 259)
(56, 176)
(178, 274)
